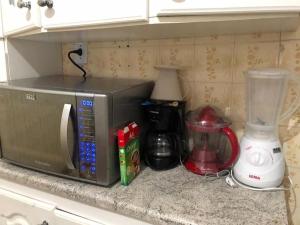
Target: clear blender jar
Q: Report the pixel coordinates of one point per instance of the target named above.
(261, 161)
(265, 94)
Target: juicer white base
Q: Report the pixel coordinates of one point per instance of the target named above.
(261, 163)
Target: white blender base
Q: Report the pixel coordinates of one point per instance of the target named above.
(261, 163)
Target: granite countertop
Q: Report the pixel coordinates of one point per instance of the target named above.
(170, 197)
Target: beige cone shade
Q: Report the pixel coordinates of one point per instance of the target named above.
(167, 86)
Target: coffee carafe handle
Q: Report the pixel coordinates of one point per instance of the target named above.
(295, 104)
(235, 148)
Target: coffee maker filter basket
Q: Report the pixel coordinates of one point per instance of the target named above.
(167, 86)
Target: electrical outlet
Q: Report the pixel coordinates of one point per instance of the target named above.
(83, 58)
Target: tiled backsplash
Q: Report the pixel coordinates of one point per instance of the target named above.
(212, 73)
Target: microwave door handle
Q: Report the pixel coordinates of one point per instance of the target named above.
(64, 135)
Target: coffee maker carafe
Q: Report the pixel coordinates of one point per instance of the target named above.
(164, 142)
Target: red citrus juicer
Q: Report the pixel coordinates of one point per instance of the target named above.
(210, 138)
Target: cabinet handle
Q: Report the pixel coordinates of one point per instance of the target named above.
(21, 4)
(48, 3)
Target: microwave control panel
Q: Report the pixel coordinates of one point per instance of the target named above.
(87, 142)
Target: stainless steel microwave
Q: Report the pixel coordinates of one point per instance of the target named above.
(66, 126)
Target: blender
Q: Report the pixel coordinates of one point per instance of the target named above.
(261, 162)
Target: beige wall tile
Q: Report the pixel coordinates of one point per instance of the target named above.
(214, 62)
(188, 94)
(144, 43)
(290, 56)
(70, 69)
(291, 36)
(291, 148)
(238, 103)
(188, 73)
(290, 59)
(215, 94)
(239, 128)
(287, 133)
(141, 62)
(292, 93)
(180, 55)
(176, 41)
(214, 39)
(257, 37)
(254, 55)
(111, 62)
(97, 63)
(108, 44)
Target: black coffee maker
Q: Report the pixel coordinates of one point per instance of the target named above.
(164, 140)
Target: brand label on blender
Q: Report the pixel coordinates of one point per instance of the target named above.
(254, 177)
(276, 150)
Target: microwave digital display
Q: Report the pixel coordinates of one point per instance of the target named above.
(87, 142)
(86, 103)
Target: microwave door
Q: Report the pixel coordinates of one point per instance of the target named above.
(38, 130)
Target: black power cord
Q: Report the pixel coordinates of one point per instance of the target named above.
(78, 52)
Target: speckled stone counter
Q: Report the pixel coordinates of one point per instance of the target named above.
(170, 197)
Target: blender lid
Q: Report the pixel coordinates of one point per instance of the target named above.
(273, 73)
(206, 119)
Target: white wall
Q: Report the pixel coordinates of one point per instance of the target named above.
(33, 59)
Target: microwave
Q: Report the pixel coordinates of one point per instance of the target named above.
(67, 126)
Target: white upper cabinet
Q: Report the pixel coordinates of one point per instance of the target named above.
(214, 7)
(20, 16)
(69, 14)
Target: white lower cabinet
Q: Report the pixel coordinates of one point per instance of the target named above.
(21, 205)
(65, 218)
(20, 210)
(16, 209)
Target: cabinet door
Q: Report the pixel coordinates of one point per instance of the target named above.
(16, 19)
(69, 13)
(65, 218)
(17, 209)
(196, 7)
